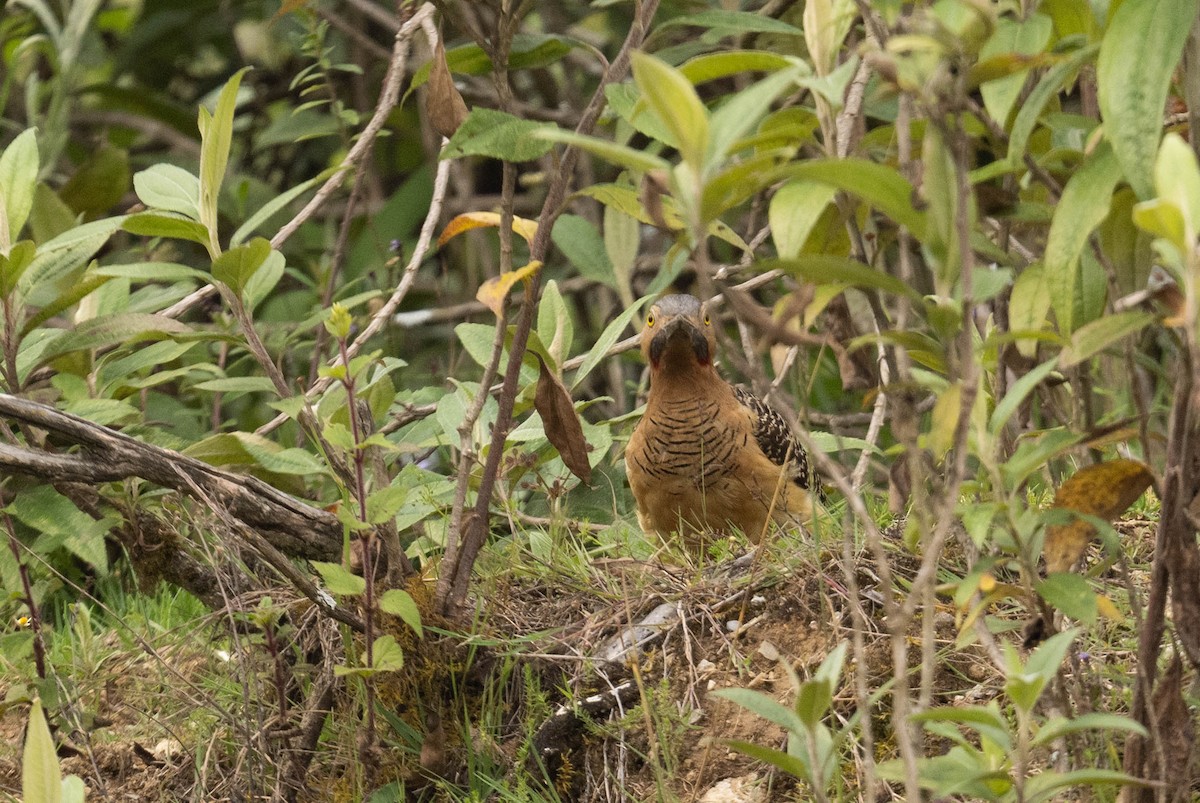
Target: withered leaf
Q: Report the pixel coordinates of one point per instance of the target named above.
(493, 292)
(444, 105)
(467, 221)
(1105, 490)
(561, 422)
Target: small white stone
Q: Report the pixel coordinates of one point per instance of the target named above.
(167, 750)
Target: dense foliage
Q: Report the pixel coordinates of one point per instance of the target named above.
(357, 338)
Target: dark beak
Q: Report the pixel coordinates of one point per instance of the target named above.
(679, 330)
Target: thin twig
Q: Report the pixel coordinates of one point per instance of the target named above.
(381, 317)
(452, 584)
(388, 98)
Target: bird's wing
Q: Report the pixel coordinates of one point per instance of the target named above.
(777, 440)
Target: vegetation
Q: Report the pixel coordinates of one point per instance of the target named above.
(316, 370)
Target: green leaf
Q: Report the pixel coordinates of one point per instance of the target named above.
(1017, 393)
(745, 110)
(18, 178)
(169, 188)
(237, 384)
(987, 720)
(711, 66)
(488, 132)
(764, 706)
(1177, 181)
(582, 244)
(263, 280)
(338, 579)
(1050, 85)
(1084, 205)
(151, 272)
(73, 789)
(528, 51)
(237, 265)
(386, 654)
(1027, 307)
(621, 155)
(735, 181)
(66, 252)
(216, 135)
(1046, 785)
(776, 758)
(1048, 657)
(152, 224)
(674, 100)
(108, 330)
(878, 185)
(14, 264)
(940, 188)
(734, 22)
(794, 210)
(49, 217)
(400, 603)
(812, 701)
(1149, 34)
(554, 327)
(622, 241)
(73, 294)
(832, 87)
(607, 338)
(826, 269)
(271, 457)
(1059, 726)
(1101, 333)
(1034, 452)
(383, 504)
(477, 340)
(1025, 38)
(1069, 593)
(627, 102)
(41, 779)
(626, 199)
(50, 513)
(273, 206)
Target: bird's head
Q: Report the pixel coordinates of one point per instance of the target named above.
(678, 334)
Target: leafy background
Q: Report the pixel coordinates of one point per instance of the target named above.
(318, 330)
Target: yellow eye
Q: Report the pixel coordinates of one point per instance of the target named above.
(649, 320)
(706, 320)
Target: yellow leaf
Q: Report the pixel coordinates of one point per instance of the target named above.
(1106, 608)
(479, 220)
(944, 420)
(1105, 490)
(493, 292)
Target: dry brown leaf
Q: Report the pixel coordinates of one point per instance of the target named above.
(479, 220)
(444, 105)
(493, 292)
(1105, 490)
(561, 422)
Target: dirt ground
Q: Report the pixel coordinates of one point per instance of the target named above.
(718, 638)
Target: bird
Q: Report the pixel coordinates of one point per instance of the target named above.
(709, 457)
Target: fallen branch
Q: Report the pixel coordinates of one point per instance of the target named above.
(291, 526)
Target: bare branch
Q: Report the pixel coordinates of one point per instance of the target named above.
(292, 526)
(362, 147)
